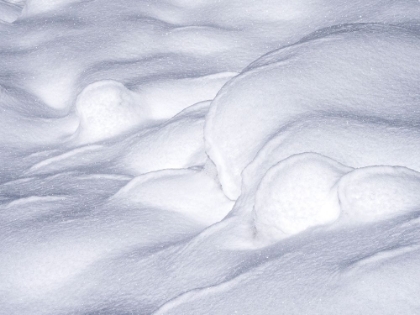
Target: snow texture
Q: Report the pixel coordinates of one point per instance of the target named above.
(209, 157)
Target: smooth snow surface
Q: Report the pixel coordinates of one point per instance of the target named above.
(297, 194)
(209, 157)
(298, 81)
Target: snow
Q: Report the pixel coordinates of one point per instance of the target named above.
(298, 81)
(209, 157)
(379, 192)
(106, 109)
(297, 194)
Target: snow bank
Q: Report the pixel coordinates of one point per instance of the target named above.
(371, 72)
(209, 157)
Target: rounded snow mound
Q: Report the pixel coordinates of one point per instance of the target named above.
(106, 109)
(159, 148)
(348, 140)
(375, 193)
(191, 193)
(309, 189)
(362, 71)
(297, 194)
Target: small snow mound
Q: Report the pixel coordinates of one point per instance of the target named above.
(158, 149)
(106, 109)
(379, 192)
(297, 194)
(190, 192)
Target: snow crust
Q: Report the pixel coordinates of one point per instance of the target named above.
(209, 157)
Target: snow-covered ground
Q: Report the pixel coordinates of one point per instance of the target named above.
(209, 157)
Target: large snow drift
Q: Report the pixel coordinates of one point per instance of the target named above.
(209, 157)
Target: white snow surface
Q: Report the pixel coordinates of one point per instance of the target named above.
(209, 157)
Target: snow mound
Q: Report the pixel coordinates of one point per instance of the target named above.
(159, 148)
(309, 189)
(149, 149)
(371, 71)
(107, 109)
(189, 192)
(166, 98)
(308, 111)
(377, 193)
(296, 194)
(350, 140)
